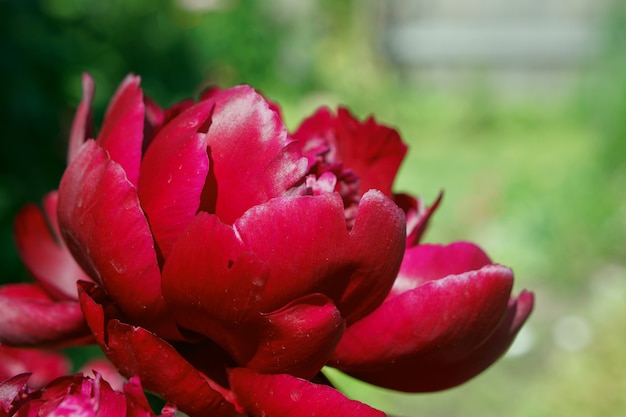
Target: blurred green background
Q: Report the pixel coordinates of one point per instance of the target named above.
(533, 165)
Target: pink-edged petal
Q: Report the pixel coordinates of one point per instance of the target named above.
(438, 323)
(100, 218)
(82, 128)
(173, 173)
(103, 367)
(162, 370)
(43, 251)
(355, 269)
(12, 391)
(285, 396)
(299, 338)
(45, 365)
(122, 129)
(30, 317)
(253, 158)
(438, 371)
(430, 262)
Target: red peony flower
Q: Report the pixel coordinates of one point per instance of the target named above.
(74, 395)
(231, 261)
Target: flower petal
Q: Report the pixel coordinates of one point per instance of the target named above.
(100, 219)
(286, 396)
(430, 262)
(435, 323)
(417, 216)
(254, 159)
(122, 129)
(30, 317)
(82, 128)
(377, 241)
(162, 370)
(45, 365)
(355, 269)
(43, 251)
(374, 152)
(12, 391)
(207, 263)
(438, 371)
(299, 338)
(173, 174)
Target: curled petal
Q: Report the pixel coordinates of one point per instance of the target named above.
(437, 322)
(377, 241)
(285, 396)
(82, 128)
(173, 174)
(355, 269)
(11, 392)
(122, 129)
(442, 370)
(101, 218)
(161, 368)
(43, 251)
(429, 262)
(298, 339)
(417, 216)
(30, 317)
(243, 125)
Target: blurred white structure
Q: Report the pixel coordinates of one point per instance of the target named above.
(513, 43)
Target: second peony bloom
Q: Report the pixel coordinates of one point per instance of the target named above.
(228, 256)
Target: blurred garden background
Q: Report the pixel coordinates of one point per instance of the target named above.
(516, 109)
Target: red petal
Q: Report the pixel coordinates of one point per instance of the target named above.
(429, 262)
(440, 371)
(377, 242)
(43, 251)
(374, 152)
(287, 396)
(122, 129)
(161, 368)
(173, 173)
(45, 365)
(82, 128)
(104, 227)
(209, 283)
(436, 322)
(30, 317)
(355, 269)
(299, 338)
(254, 160)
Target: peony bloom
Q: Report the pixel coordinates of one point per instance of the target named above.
(74, 395)
(229, 260)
